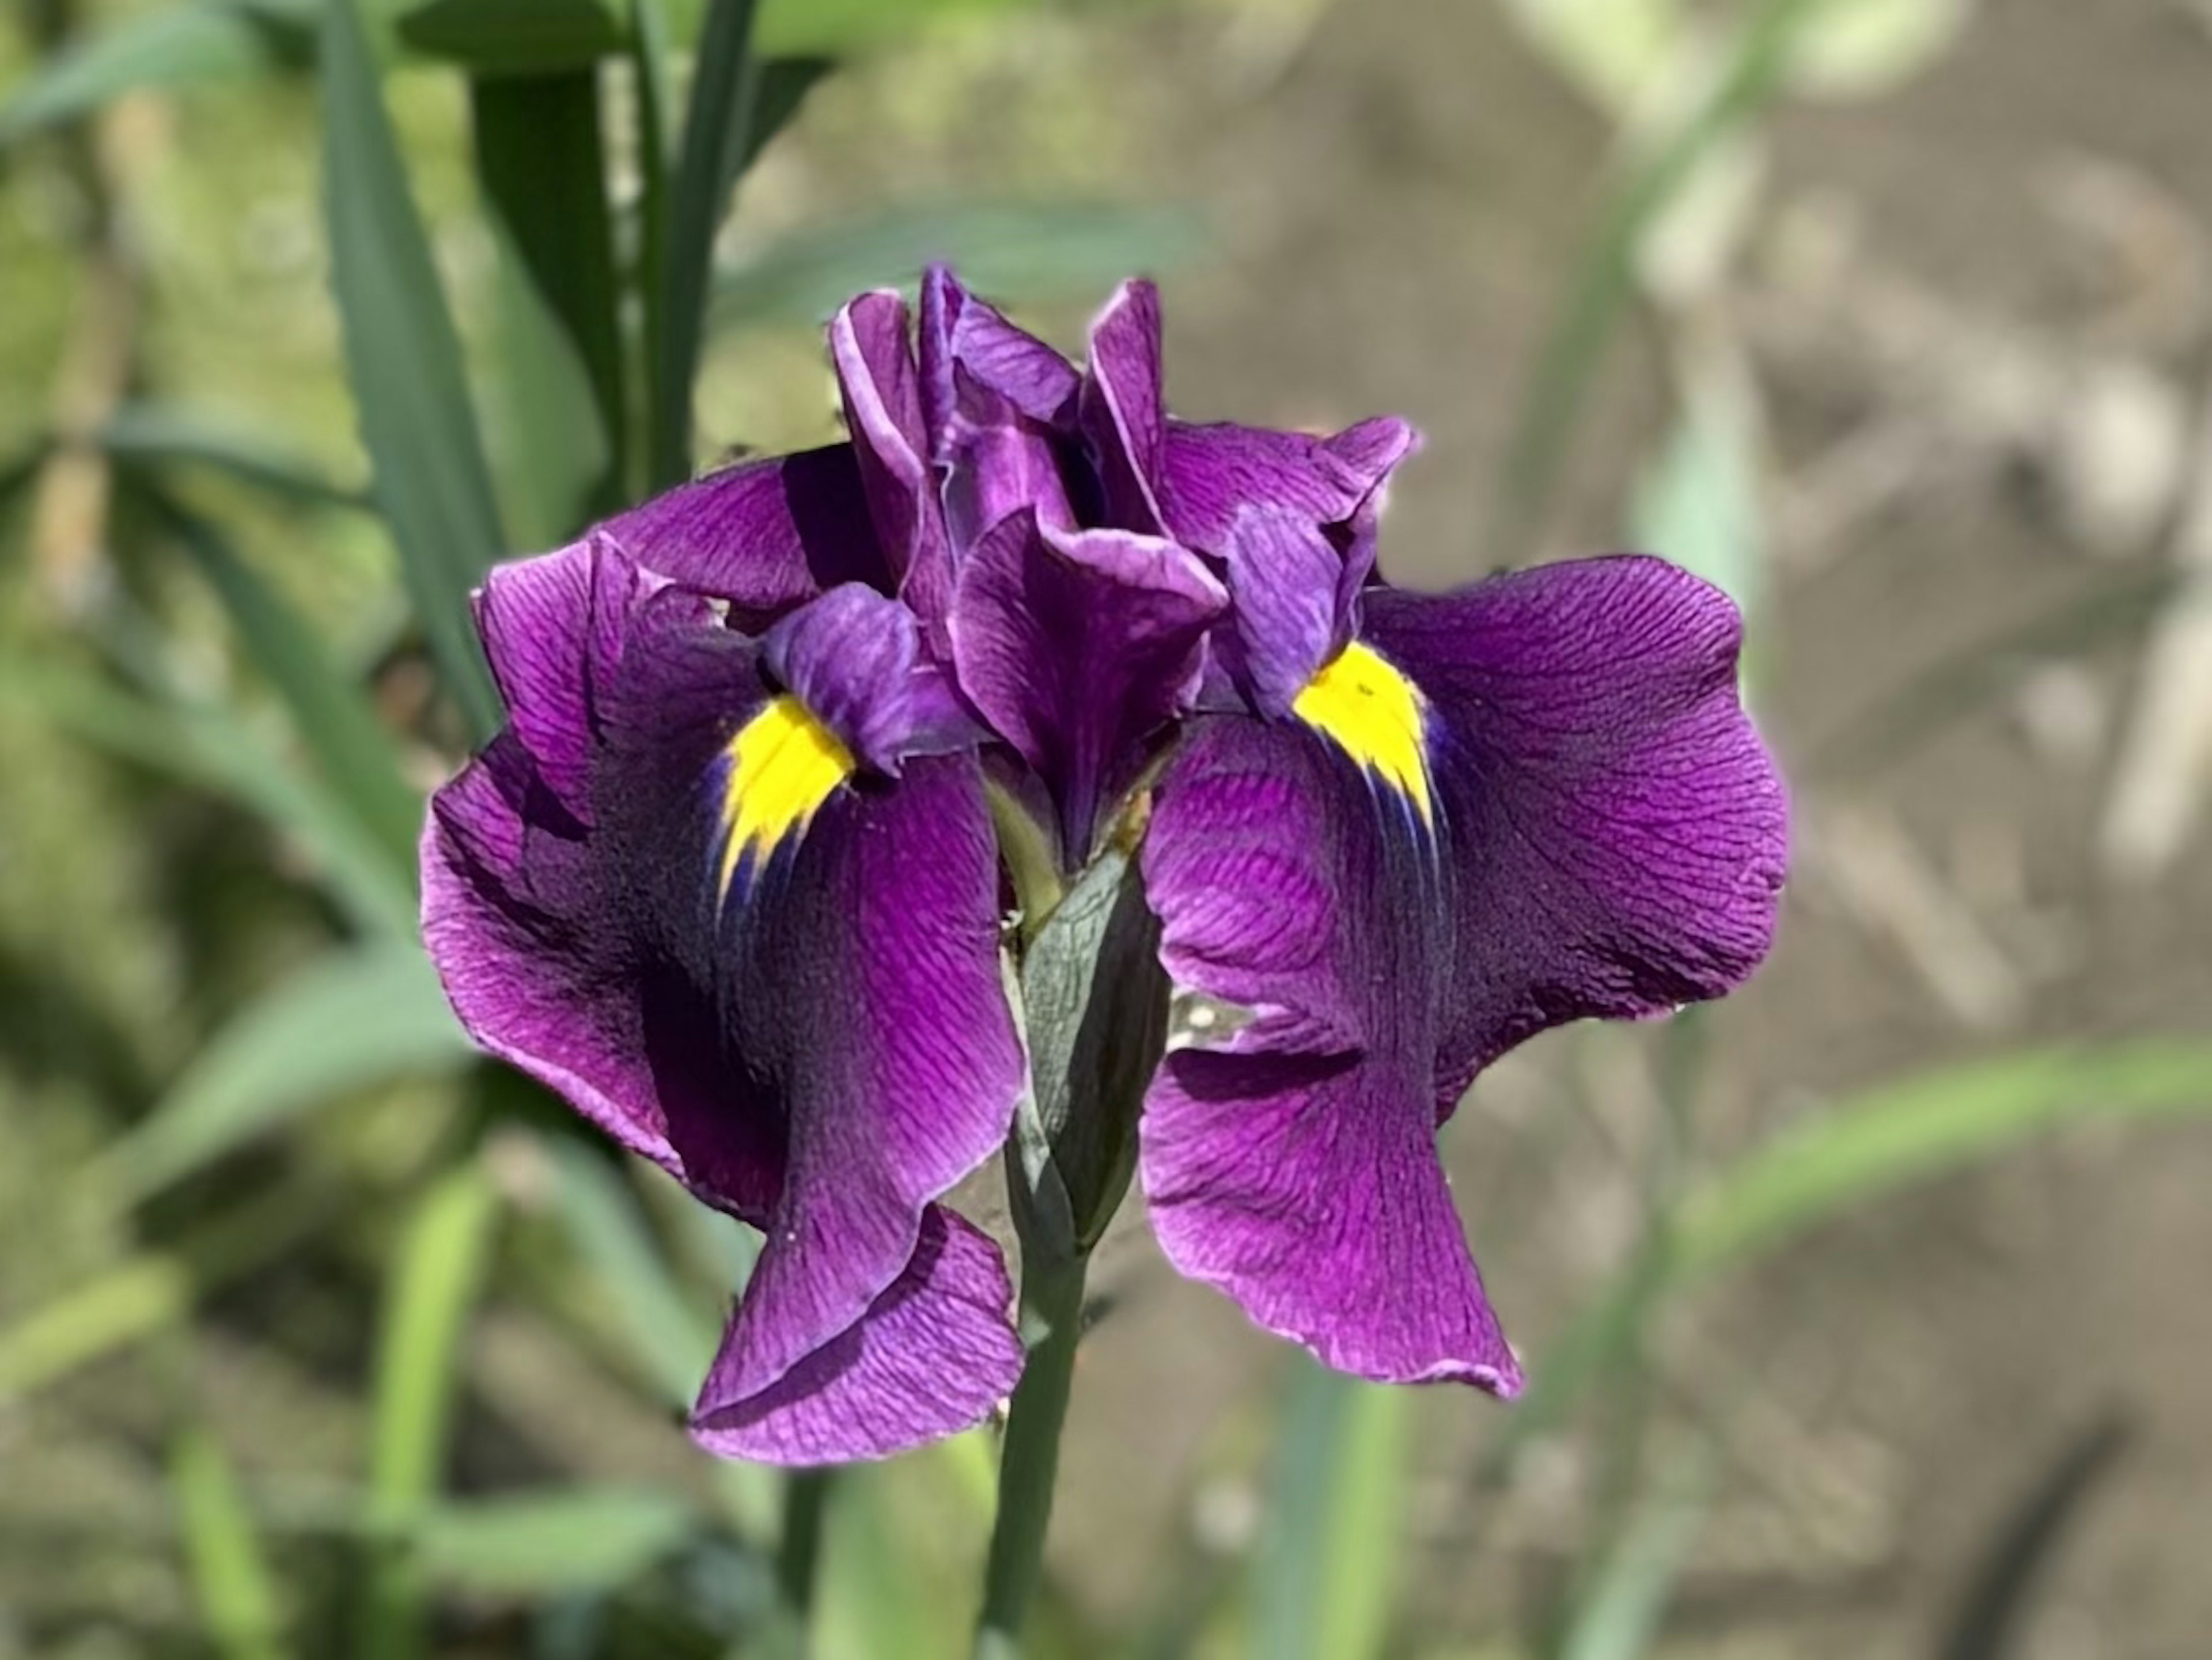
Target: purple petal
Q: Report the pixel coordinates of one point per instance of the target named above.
(1285, 579)
(1292, 1163)
(855, 659)
(1077, 646)
(864, 1010)
(1617, 833)
(552, 625)
(882, 407)
(823, 1054)
(1122, 411)
(762, 535)
(997, 460)
(1210, 473)
(933, 1355)
(960, 332)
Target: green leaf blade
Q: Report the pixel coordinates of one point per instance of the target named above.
(352, 1022)
(404, 358)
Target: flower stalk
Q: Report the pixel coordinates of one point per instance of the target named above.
(1029, 1463)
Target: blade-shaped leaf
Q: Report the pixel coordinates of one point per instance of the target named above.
(1996, 1599)
(1604, 279)
(516, 36)
(191, 43)
(150, 1291)
(1620, 1615)
(1861, 1151)
(358, 758)
(718, 130)
(443, 1255)
(1326, 1579)
(1897, 1134)
(231, 1578)
(353, 1021)
(208, 748)
(158, 434)
(846, 25)
(403, 359)
(1011, 251)
(563, 1541)
(538, 156)
(674, 1338)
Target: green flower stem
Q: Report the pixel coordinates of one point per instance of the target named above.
(805, 1500)
(1052, 1324)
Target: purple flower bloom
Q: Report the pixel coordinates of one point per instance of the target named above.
(728, 880)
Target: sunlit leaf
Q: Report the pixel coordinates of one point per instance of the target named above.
(150, 1291)
(150, 434)
(1326, 1580)
(232, 1581)
(334, 717)
(539, 157)
(191, 43)
(842, 26)
(1858, 1153)
(1017, 252)
(1610, 49)
(562, 1541)
(1603, 282)
(444, 1253)
(1619, 1613)
(1699, 504)
(138, 1296)
(403, 360)
(205, 745)
(352, 1021)
(674, 1338)
(1856, 49)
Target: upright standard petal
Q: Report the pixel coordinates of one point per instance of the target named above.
(876, 372)
(1616, 831)
(1289, 1154)
(669, 953)
(1121, 407)
(1078, 646)
(962, 334)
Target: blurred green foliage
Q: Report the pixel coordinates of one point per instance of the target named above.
(235, 671)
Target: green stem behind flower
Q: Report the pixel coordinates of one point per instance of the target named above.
(1052, 1324)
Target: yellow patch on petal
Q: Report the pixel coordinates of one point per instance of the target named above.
(1374, 714)
(783, 765)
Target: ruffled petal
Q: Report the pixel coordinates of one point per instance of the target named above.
(876, 374)
(1285, 618)
(813, 1035)
(763, 536)
(1077, 647)
(1616, 832)
(962, 333)
(933, 1355)
(1209, 474)
(552, 626)
(1122, 411)
(1289, 1154)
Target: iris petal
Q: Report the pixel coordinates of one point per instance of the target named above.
(586, 940)
(1606, 837)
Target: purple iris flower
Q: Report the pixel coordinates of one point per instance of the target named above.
(728, 880)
